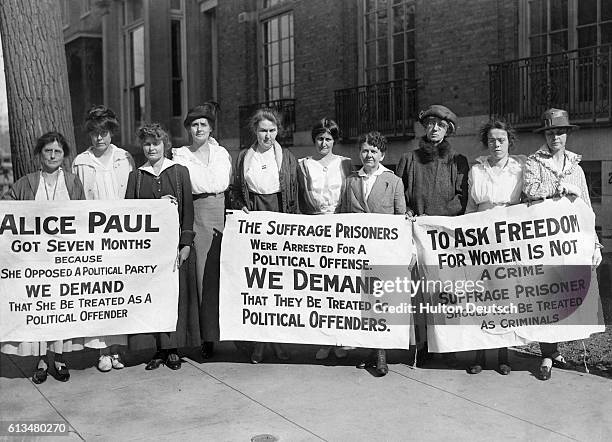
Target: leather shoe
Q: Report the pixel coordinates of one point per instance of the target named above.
(173, 362)
(475, 369)
(157, 360)
(39, 376)
(208, 349)
(505, 369)
(364, 363)
(258, 352)
(560, 362)
(63, 374)
(545, 373)
(381, 362)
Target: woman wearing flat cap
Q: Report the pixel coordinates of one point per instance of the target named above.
(550, 172)
(435, 179)
(210, 169)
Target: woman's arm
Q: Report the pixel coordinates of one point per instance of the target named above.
(536, 186)
(471, 203)
(456, 206)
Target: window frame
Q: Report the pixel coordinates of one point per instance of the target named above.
(179, 16)
(266, 15)
(390, 45)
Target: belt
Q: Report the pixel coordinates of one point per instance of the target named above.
(197, 196)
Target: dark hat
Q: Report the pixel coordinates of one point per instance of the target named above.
(206, 110)
(442, 112)
(553, 118)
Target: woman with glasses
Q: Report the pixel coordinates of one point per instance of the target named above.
(104, 169)
(435, 183)
(51, 183)
(496, 180)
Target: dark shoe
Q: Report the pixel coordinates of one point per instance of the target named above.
(364, 363)
(546, 369)
(560, 362)
(208, 350)
(258, 352)
(63, 375)
(156, 361)
(381, 362)
(173, 362)
(475, 369)
(505, 369)
(39, 376)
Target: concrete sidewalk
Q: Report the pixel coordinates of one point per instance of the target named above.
(230, 399)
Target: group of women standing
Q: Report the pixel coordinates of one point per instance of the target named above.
(431, 180)
(195, 180)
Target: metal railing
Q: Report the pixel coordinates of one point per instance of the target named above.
(579, 81)
(390, 108)
(286, 112)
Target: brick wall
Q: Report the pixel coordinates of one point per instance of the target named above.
(455, 42)
(325, 56)
(237, 48)
(325, 36)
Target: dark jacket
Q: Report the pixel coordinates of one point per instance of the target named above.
(173, 180)
(26, 186)
(287, 175)
(435, 179)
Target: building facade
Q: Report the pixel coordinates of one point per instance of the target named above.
(369, 64)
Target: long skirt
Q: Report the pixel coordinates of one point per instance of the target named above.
(40, 348)
(208, 224)
(187, 332)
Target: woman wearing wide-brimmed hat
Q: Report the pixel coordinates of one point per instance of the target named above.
(552, 171)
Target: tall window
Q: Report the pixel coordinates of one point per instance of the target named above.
(389, 40)
(278, 70)
(177, 71)
(137, 75)
(562, 25)
(548, 30)
(594, 22)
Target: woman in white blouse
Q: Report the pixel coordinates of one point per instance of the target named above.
(496, 180)
(210, 169)
(321, 179)
(265, 179)
(104, 169)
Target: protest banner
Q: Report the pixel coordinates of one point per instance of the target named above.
(310, 279)
(87, 268)
(519, 274)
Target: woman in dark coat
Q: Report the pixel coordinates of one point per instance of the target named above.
(51, 183)
(265, 178)
(160, 177)
(435, 179)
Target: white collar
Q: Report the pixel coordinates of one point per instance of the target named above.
(146, 167)
(381, 169)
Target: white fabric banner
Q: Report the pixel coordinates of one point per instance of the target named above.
(87, 268)
(310, 279)
(509, 276)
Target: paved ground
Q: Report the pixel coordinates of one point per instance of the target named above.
(231, 399)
